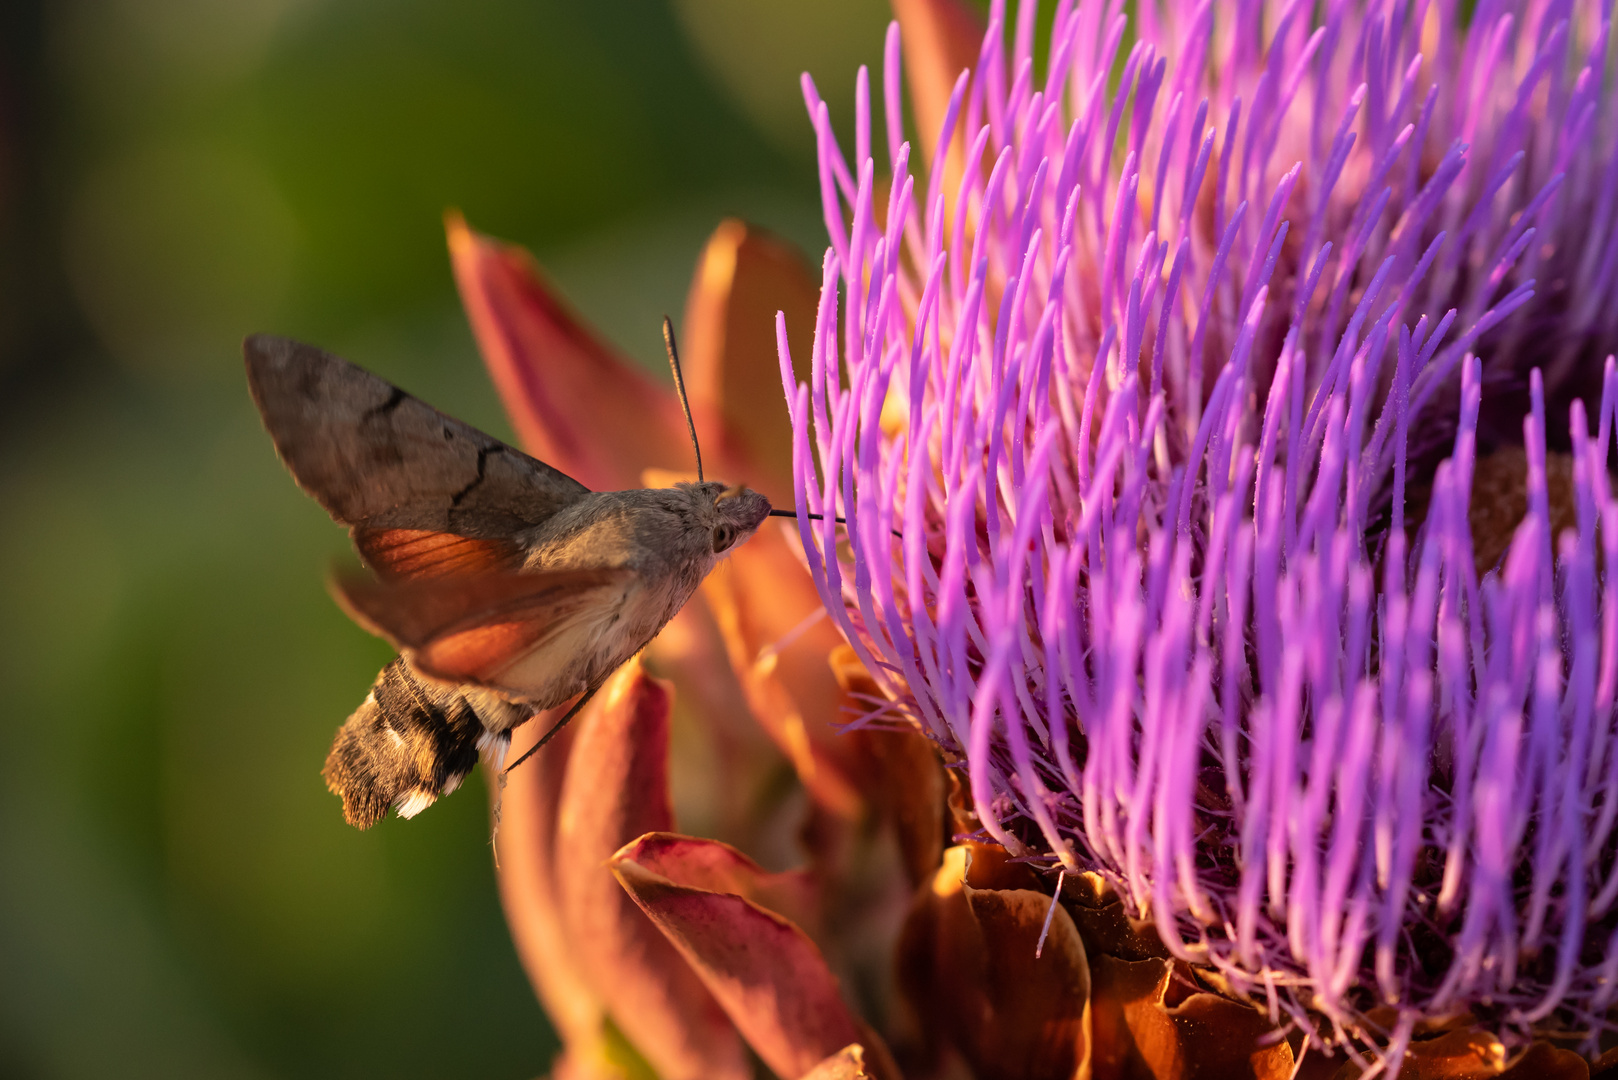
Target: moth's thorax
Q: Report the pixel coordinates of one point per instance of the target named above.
(655, 531)
(666, 536)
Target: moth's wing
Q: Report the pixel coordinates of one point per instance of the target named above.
(408, 553)
(398, 472)
(475, 629)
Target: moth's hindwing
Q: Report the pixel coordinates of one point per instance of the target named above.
(411, 741)
(414, 553)
(473, 629)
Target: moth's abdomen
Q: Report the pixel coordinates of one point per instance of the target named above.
(409, 742)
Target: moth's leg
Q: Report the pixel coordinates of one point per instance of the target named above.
(558, 726)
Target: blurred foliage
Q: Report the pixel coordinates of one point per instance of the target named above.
(178, 893)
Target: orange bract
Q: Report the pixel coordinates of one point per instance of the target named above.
(575, 403)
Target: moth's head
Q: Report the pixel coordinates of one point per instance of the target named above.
(727, 515)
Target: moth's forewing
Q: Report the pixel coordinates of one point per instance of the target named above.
(378, 459)
(475, 629)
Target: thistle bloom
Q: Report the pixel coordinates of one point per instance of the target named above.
(1160, 411)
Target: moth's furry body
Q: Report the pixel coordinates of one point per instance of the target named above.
(508, 587)
(663, 538)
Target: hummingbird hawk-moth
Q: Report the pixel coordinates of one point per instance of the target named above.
(507, 586)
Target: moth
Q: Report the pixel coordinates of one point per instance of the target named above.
(507, 586)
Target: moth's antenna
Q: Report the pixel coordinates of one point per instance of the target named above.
(679, 385)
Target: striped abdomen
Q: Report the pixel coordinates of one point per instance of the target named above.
(411, 741)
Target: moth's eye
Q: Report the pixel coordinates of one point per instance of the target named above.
(723, 537)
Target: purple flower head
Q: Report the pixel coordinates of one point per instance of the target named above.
(1155, 404)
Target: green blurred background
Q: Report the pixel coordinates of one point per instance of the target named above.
(178, 893)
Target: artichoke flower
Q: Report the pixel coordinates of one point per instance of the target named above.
(1215, 674)
(1224, 451)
